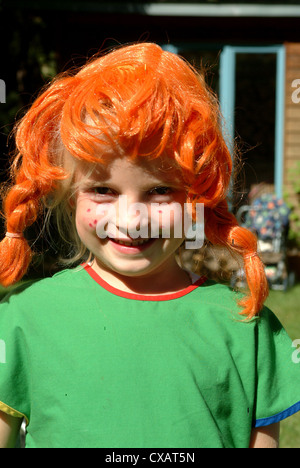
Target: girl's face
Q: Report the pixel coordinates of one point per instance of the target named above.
(129, 215)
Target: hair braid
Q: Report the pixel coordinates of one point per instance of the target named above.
(221, 228)
(34, 177)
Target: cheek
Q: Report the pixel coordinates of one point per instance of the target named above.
(168, 216)
(176, 216)
(91, 217)
(86, 218)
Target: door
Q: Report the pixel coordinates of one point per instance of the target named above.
(252, 84)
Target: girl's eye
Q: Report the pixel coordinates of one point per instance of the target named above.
(102, 191)
(161, 191)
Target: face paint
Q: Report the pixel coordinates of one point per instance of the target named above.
(136, 214)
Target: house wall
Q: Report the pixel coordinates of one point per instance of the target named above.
(292, 134)
(292, 112)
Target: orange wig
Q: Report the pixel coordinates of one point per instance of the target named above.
(135, 95)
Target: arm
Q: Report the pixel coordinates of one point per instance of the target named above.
(9, 430)
(265, 437)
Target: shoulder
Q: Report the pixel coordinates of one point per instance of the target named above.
(218, 298)
(216, 290)
(221, 298)
(38, 293)
(217, 305)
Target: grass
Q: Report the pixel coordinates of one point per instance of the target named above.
(286, 306)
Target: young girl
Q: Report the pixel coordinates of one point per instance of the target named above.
(128, 349)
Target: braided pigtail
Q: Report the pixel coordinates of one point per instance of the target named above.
(221, 228)
(21, 209)
(34, 176)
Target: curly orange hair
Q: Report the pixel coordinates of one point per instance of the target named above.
(131, 96)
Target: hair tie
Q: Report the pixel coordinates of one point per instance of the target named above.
(255, 254)
(14, 235)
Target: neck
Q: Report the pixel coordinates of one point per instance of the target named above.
(165, 281)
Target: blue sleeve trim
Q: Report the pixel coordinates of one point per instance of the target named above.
(278, 417)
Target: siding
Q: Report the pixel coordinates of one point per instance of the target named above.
(292, 112)
(292, 133)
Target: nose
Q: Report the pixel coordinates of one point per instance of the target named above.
(132, 218)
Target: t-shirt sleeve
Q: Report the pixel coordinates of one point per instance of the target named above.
(278, 372)
(13, 363)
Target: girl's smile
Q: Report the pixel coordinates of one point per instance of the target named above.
(131, 246)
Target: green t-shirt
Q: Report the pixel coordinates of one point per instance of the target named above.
(91, 366)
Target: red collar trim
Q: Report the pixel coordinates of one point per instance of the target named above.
(142, 297)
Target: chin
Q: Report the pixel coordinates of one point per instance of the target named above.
(132, 270)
